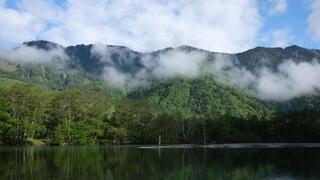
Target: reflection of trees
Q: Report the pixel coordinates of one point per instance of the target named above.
(130, 163)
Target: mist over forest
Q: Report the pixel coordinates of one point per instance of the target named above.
(106, 94)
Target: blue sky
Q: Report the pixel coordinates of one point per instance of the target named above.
(294, 19)
(217, 25)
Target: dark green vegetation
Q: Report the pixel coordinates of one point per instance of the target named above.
(42, 104)
(87, 116)
(129, 163)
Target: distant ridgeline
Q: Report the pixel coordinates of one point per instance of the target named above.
(95, 94)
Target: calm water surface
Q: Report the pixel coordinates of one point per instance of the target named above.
(128, 162)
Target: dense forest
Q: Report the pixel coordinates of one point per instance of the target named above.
(34, 114)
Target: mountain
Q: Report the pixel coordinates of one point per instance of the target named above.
(96, 94)
(81, 57)
(84, 68)
(272, 57)
(127, 60)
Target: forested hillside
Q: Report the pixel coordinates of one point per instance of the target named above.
(202, 97)
(74, 101)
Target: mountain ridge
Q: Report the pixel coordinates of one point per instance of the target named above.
(249, 58)
(43, 43)
(84, 68)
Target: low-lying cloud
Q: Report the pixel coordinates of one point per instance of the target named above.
(28, 54)
(170, 64)
(292, 80)
(175, 63)
(289, 80)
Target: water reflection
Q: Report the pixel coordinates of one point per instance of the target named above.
(124, 162)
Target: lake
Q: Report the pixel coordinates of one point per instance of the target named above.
(130, 162)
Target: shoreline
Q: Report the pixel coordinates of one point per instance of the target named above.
(235, 146)
(187, 146)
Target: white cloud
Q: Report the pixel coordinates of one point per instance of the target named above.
(17, 27)
(26, 54)
(292, 80)
(281, 38)
(115, 77)
(227, 70)
(169, 64)
(43, 10)
(278, 6)
(178, 63)
(27, 22)
(217, 25)
(313, 19)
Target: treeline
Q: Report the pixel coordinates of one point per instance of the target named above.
(30, 113)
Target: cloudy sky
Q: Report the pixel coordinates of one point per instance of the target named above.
(145, 25)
